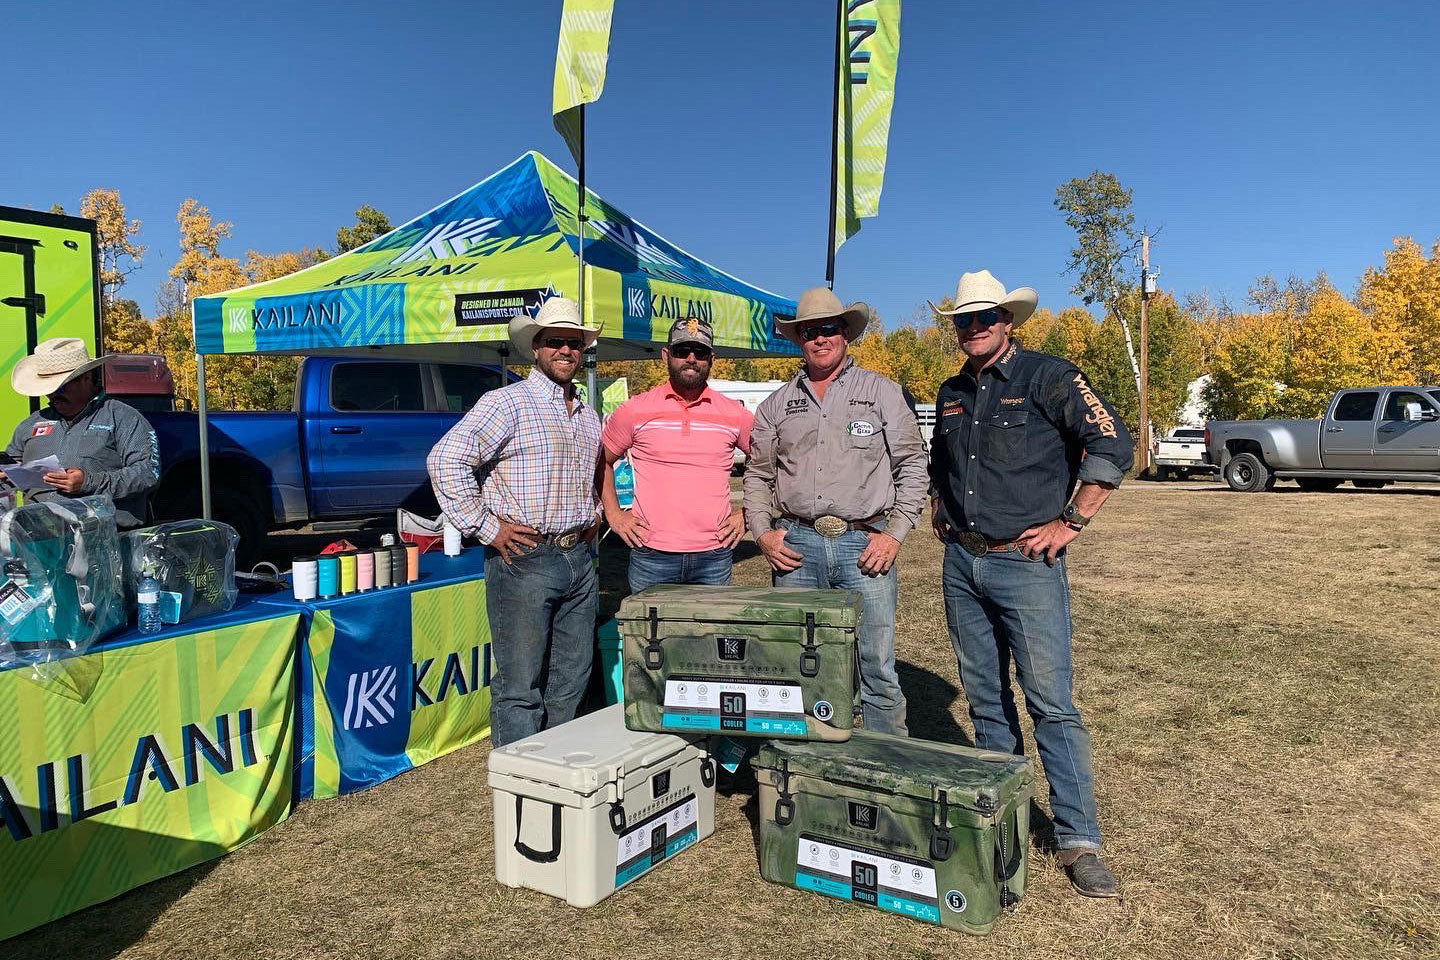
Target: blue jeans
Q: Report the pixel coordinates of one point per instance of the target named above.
(835, 564)
(542, 609)
(1003, 608)
(649, 567)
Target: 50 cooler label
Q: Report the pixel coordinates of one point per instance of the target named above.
(739, 706)
(894, 884)
(656, 839)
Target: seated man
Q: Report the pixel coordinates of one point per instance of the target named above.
(103, 445)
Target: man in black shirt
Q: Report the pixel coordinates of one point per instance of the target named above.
(1015, 432)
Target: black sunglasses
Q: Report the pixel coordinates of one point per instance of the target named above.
(686, 350)
(832, 329)
(985, 318)
(555, 343)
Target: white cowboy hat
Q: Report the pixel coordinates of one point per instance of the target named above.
(53, 364)
(981, 291)
(819, 303)
(558, 313)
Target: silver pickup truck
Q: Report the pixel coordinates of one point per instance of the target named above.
(1370, 436)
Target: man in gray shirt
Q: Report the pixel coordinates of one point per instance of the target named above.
(103, 445)
(836, 479)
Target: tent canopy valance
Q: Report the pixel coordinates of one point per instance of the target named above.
(447, 282)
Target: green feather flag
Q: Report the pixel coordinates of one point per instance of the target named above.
(580, 63)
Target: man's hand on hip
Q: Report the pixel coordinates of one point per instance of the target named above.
(1046, 541)
(879, 555)
(733, 528)
(782, 558)
(629, 527)
(514, 539)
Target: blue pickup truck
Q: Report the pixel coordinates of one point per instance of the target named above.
(354, 446)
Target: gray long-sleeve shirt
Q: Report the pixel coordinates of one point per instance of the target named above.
(110, 441)
(854, 455)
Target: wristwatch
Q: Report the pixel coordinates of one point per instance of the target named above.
(1073, 518)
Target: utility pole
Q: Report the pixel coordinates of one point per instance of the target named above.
(1142, 459)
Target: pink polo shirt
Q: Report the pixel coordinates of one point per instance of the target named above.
(682, 454)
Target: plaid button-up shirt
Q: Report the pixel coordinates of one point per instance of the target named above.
(519, 456)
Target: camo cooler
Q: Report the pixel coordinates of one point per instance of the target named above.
(586, 807)
(742, 661)
(925, 830)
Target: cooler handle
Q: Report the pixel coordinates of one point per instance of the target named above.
(707, 772)
(528, 852)
(942, 844)
(784, 806)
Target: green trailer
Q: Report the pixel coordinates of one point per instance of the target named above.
(49, 287)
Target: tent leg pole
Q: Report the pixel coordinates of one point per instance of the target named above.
(204, 436)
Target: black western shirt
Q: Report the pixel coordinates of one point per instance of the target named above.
(1008, 449)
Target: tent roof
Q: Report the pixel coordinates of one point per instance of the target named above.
(447, 282)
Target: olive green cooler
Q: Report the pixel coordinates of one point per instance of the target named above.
(741, 661)
(926, 830)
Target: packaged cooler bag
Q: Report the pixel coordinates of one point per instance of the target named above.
(586, 807)
(194, 561)
(59, 578)
(741, 661)
(927, 830)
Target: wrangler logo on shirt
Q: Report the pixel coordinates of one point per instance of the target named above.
(951, 408)
(1098, 414)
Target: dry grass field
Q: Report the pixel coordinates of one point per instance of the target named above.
(1262, 679)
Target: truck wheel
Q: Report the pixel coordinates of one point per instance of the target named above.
(1317, 483)
(1246, 473)
(1368, 484)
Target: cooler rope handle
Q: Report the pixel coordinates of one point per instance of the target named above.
(528, 852)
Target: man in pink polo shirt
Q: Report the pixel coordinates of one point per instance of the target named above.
(681, 439)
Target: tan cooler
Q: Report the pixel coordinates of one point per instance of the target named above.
(582, 809)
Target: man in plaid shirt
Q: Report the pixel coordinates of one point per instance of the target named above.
(518, 472)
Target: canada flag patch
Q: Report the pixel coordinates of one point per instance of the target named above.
(43, 429)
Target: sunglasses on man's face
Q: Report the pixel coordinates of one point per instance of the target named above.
(555, 343)
(832, 329)
(985, 318)
(684, 351)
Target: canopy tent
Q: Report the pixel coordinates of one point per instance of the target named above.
(448, 282)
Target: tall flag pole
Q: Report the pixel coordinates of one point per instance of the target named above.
(867, 53)
(580, 61)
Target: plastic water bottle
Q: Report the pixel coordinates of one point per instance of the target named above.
(148, 600)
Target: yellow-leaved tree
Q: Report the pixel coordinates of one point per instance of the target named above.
(1248, 359)
(1403, 302)
(120, 254)
(1337, 346)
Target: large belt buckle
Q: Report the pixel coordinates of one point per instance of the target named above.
(831, 526)
(974, 543)
(567, 540)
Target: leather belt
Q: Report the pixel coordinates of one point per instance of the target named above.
(977, 544)
(562, 540)
(830, 526)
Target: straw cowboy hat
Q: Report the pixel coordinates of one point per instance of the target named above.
(981, 291)
(818, 303)
(53, 364)
(558, 313)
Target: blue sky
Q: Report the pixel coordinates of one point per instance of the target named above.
(1260, 138)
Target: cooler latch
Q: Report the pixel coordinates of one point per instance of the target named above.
(654, 653)
(707, 772)
(941, 843)
(785, 806)
(617, 806)
(810, 659)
